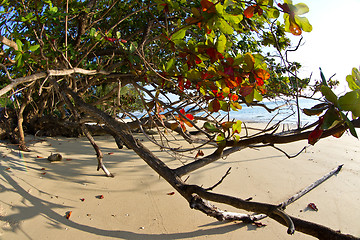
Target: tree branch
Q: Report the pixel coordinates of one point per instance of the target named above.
(9, 42)
(50, 73)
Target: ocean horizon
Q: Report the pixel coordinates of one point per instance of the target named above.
(287, 113)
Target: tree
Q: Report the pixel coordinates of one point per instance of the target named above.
(67, 63)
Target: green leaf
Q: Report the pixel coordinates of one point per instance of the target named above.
(258, 96)
(220, 139)
(180, 34)
(133, 46)
(303, 23)
(249, 62)
(330, 117)
(92, 32)
(353, 83)
(316, 110)
(273, 13)
(20, 60)
(323, 77)
(118, 35)
(224, 27)
(170, 65)
(356, 73)
(349, 124)
(350, 102)
(19, 44)
(329, 94)
(301, 8)
(249, 98)
(211, 127)
(224, 106)
(53, 9)
(354, 79)
(221, 43)
(237, 127)
(33, 48)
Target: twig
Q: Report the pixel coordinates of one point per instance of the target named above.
(6, 71)
(287, 155)
(310, 187)
(219, 182)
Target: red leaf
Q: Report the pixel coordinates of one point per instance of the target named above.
(39, 157)
(206, 75)
(214, 54)
(261, 74)
(229, 71)
(313, 206)
(110, 39)
(190, 116)
(259, 224)
(166, 7)
(208, 6)
(238, 80)
(233, 97)
(8, 168)
(246, 90)
(231, 83)
(43, 173)
(249, 11)
(259, 10)
(197, 60)
(182, 111)
(260, 82)
(187, 84)
(314, 136)
(285, 7)
(338, 134)
(294, 27)
(68, 159)
(82, 199)
(181, 83)
(68, 214)
(110, 153)
(192, 20)
(214, 105)
(199, 154)
(100, 196)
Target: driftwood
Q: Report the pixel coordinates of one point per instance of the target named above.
(310, 187)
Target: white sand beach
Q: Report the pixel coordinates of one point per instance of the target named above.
(35, 195)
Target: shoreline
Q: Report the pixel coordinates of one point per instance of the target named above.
(136, 204)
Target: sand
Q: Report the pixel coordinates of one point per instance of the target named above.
(36, 195)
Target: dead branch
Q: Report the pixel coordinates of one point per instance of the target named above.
(83, 128)
(273, 211)
(219, 182)
(212, 211)
(50, 73)
(188, 191)
(310, 187)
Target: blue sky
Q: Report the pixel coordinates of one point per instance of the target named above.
(334, 43)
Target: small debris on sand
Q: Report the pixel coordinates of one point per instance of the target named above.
(55, 157)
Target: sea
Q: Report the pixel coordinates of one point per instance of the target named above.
(287, 112)
(284, 111)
